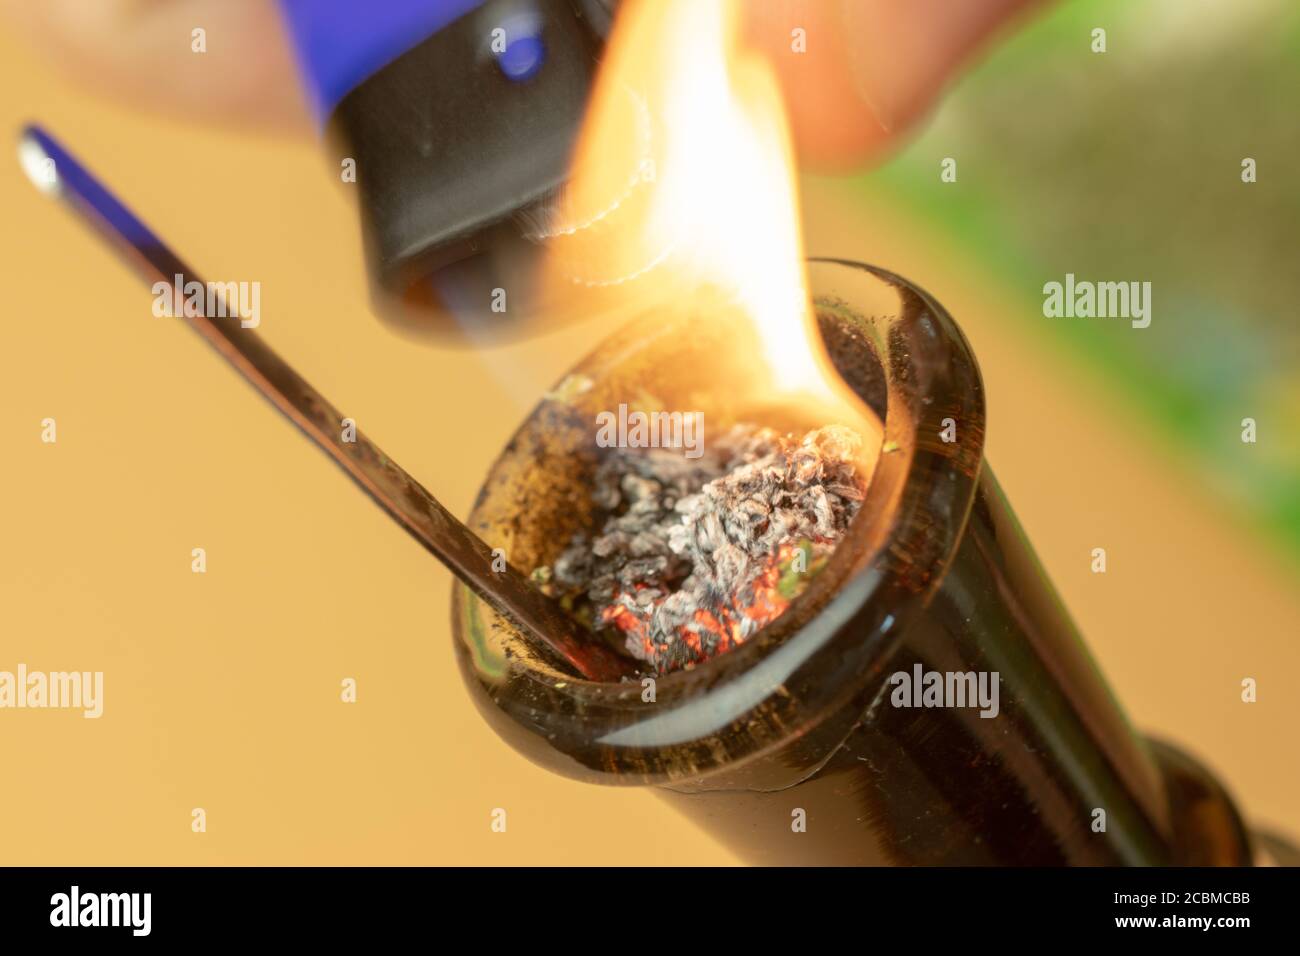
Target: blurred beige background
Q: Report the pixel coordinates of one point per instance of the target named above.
(222, 689)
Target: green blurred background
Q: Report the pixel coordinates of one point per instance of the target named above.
(1127, 165)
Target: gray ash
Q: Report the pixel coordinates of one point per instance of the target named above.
(694, 556)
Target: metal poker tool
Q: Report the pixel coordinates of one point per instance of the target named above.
(57, 173)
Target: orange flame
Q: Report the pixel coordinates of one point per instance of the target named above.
(684, 176)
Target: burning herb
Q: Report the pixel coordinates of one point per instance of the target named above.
(695, 555)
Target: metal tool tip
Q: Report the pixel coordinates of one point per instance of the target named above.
(36, 161)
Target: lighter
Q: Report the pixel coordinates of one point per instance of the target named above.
(456, 119)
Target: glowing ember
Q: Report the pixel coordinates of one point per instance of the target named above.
(694, 556)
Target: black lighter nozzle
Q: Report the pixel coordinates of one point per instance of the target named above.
(458, 142)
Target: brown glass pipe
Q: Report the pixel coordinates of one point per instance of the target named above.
(792, 748)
